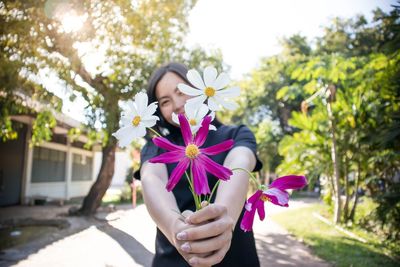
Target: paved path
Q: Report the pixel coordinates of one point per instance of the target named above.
(129, 241)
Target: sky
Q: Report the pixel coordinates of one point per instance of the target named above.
(247, 30)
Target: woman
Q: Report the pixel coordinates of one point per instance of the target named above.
(212, 235)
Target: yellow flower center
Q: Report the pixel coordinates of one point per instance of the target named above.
(209, 91)
(192, 122)
(192, 151)
(136, 121)
(264, 198)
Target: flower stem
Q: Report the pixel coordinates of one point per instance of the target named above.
(195, 198)
(212, 192)
(154, 132)
(198, 198)
(254, 179)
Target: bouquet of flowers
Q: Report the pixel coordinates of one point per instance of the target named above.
(193, 159)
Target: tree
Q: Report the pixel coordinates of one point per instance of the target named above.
(130, 37)
(357, 118)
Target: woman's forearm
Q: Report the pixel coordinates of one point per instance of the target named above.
(160, 203)
(232, 194)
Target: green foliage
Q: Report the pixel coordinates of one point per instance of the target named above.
(387, 213)
(7, 131)
(355, 67)
(42, 127)
(127, 39)
(332, 245)
(267, 133)
(131, 39)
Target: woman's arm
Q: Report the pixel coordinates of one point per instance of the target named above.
(232, 194)
(161, 204)
(219, 219)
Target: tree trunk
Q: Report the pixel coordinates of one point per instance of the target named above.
(353, 210)
(346, 190)
(335, 161)
(332, 185)
(93, 199)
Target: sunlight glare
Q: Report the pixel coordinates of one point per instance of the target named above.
(71, 22)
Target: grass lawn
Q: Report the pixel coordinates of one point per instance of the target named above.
(332, 245)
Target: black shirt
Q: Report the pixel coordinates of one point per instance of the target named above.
(242, 251)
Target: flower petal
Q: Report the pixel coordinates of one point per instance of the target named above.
(229, 92)
(196, 101)
(210, 74)
(168, 157)
(175, 118)
(248, 217)
(247, 221)
(226, 104)
(195, 79)
(213, 104)
(177, 173)
(214, 168)
(149, 111)
(126, 121)
(127, 134)
(229, 105)
(166, 144)
(201, 112)
(132, 109)
(188, 90)
(289, 182)
(277, 196)
(185, 129)
(190, 111)
(200, 181)
(141, 101)
(221, 81)
(195, 128)
(216, 149)
(255, 197)
(149, 122)
(201, 135)
(261, 210)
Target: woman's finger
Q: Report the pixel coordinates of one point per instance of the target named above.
(208, 245)
(207, 230)
(213, 259)
(210, 212)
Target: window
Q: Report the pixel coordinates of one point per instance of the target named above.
(81, 167)
(48, 165)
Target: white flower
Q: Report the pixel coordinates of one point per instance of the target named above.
(212, 89)
(195, 115)
(136, 119)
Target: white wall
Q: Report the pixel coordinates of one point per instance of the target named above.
(122, 164)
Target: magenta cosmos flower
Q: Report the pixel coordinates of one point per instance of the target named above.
(276, 193)
(191, 155)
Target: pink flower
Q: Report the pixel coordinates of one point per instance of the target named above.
(276, 193)
(191, 154)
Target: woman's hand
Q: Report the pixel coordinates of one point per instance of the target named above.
(178, 227)
(209, 238)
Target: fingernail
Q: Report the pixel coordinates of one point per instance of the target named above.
(185, 247)
(181, 236)
(187, 220)
(193, 261)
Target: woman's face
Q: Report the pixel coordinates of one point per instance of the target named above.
(170, 99)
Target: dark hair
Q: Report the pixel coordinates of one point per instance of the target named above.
(180, 70)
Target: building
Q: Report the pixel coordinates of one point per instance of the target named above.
(55, 170)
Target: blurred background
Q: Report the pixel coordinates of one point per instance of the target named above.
(320, 85)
